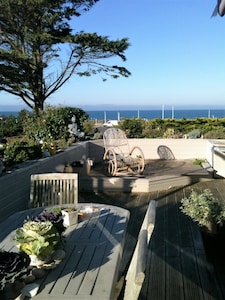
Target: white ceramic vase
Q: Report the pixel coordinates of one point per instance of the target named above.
(70, 217)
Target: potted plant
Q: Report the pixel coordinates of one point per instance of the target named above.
(54, 216)
(205, 209)
(70, 216)
(38, 240)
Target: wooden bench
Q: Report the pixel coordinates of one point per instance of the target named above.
(136, 272)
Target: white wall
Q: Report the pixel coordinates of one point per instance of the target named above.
(181, 148)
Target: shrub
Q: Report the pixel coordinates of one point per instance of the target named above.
(52, 124)
(21, 151)
(168, 133)
(151, 130)
(132, 127)
(10, 126)
(88, 127)
(218, 133)
(204, 208)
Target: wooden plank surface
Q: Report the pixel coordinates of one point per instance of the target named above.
(178, 266)
(94, 250)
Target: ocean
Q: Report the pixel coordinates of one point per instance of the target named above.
(153, 114)
(145, 114)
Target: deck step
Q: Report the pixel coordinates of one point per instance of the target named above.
(138, 185)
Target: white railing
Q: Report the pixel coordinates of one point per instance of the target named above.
(215, 155)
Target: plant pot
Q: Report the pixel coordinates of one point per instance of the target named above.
(35, 261)
(210, 228)
(70, 217)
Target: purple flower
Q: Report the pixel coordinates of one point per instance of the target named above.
(54, 217)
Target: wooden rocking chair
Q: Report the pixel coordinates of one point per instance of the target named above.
(118, 157)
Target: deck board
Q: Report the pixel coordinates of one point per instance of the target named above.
(177, 266)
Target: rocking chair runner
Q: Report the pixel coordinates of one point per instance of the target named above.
(118, 157)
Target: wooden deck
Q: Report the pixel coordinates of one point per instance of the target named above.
(159, 174)
(178, 266)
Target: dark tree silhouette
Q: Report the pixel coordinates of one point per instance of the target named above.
(219, 9)
(39, 50)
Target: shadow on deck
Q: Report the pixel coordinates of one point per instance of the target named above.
(178, 266)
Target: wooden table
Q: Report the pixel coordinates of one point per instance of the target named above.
(94, 250)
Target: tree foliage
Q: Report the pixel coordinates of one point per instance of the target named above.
(39, 52)
(9, 126)
(52, 124)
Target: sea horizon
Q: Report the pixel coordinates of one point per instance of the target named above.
(153, 114)
(148, 114)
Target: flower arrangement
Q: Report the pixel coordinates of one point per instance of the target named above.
(12, 266)
(37, 238)
(55, 217)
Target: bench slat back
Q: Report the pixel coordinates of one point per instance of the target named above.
(53, 189)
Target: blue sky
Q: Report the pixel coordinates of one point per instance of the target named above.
(176, 55)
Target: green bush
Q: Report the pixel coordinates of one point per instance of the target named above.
(218, 133)
(52, 124)
(88, 127)
(204, 209)
(18, 152)
(150, 130)
(172, 128)
(168, 133)
(10, 126)
(132, 127)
